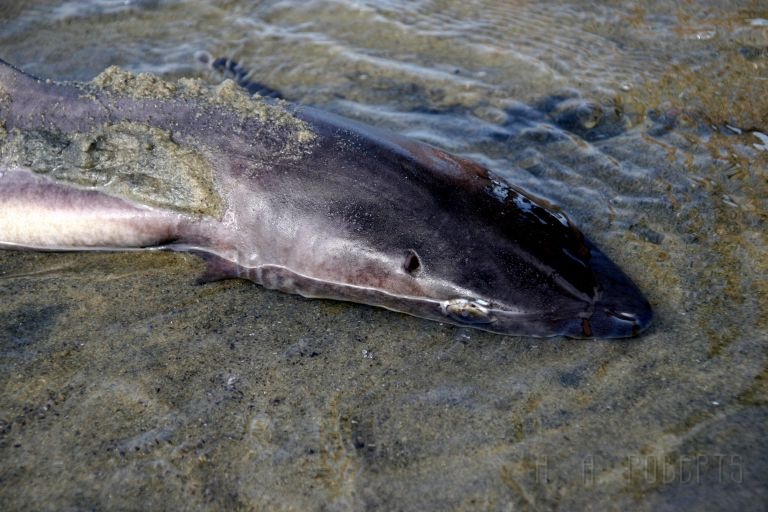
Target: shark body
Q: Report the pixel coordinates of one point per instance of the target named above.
(299, 200)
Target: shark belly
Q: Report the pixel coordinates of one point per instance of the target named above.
(39, 213)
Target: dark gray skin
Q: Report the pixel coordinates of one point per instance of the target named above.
(356, 214)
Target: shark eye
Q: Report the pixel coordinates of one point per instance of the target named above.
(412, 263)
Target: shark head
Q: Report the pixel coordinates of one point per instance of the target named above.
(415, 229)
(510, 266)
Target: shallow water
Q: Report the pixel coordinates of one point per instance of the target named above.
(124, 385)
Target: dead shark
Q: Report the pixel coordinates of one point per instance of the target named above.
(296, 199)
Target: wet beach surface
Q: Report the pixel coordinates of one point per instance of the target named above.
(124, 385)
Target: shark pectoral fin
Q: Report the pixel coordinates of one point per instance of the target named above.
(217, 268)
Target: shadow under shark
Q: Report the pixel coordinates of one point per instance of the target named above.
(296, 199)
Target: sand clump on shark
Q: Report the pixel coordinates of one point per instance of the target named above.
(295, 199)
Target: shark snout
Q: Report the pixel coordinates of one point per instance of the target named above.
(620, 309)
(610, 322)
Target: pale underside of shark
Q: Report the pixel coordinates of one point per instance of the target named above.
(297, 200)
